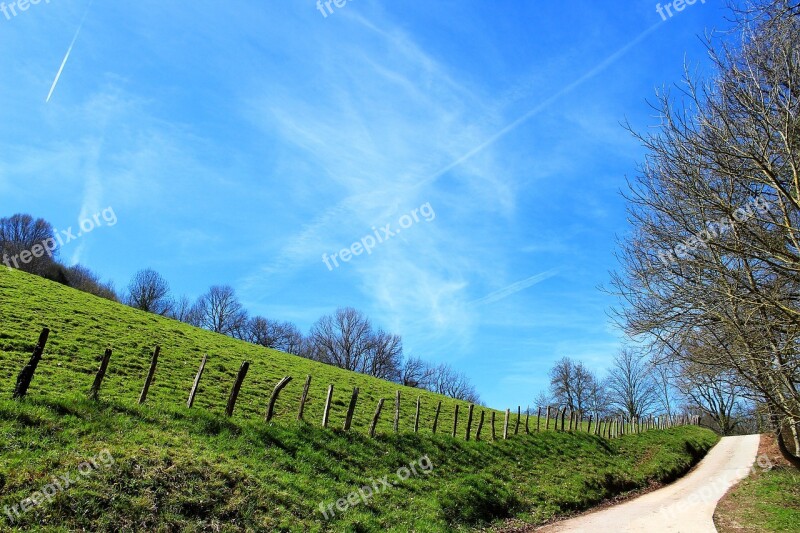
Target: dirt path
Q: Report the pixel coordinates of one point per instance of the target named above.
(686, 506)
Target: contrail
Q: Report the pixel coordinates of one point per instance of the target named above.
(514, 288)
(69, 51)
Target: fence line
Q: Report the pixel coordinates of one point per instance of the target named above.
(606, 428)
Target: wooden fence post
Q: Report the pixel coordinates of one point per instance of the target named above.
(494, 433)
(590, 425)
(563, 417)
(547, 424)
(196, 384)
(416, 417)
(326, 413)
(455, 421)
(150, 374)
(436, 416)
(538, 419)
(375, 419)
(519, 417)
(505, 424)
(304, 397)
(274, 397)
(571, 416)
(527, 420)
(348, 421)
(480, 427)
(397, 412)
(237, 386)
(26, 374)
(94, 393)
(469, 421)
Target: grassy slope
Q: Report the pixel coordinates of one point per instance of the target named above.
(196, 470)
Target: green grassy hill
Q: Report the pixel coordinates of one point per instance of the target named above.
(194, 469)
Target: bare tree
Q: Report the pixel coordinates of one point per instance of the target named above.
(81, 278)
(717, 394)
(342, 339)
(148, 291)
(283, 336)
(449, 382)
(27, 244)
(632, 389)
(221, 312)
(416, 373)
(571, 384)
(182, 311)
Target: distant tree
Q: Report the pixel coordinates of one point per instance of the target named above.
(343, 339)
(283, 336)
(183, 311)
(385, 356)
(27, 244)
(449, 382)
(148, 291)
(571, 384)
(220, 311)
(718, 394)
(81, 278)
(543, 400)
(416, 373)
(632, 389)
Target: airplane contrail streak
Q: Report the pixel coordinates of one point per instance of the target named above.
(66, 56)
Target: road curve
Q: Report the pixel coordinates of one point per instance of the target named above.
(686, 506)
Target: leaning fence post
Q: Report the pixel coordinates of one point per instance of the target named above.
(538, 419)
(327, 411)
(416, 417)
(274, 398)
(304, 397)
(480, 427)
(527, 420)
(397, 412)
(505, 424)
(590, 425)
(375, 419)
(196, 384)
(519, 417)
(150, 374)
(436, 416)
(237, 386)
(101, 373)
(348, 421)
(469, 421)
(26, 374)
(455, 421)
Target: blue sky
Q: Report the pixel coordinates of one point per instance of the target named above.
(239, 142)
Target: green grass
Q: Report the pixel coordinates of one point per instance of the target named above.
(196, 470)
(768, 500)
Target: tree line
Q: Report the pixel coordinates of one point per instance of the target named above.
(710, 271)
(638, 385)
(346, 338)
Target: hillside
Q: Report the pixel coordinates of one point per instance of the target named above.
(194, 469)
